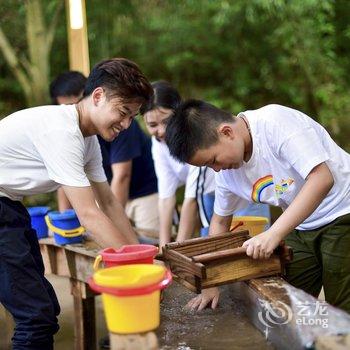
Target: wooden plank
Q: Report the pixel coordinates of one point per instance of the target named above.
(183, 266)
(284, 252)
(335, 342)
(144, 341)
(241, 269)
(84, 316)
(231, 253)
(198, 246)
(260, 296)
(68, 261)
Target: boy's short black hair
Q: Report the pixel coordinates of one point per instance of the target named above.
(121, 78)
(164, 96)
(193, 126)
(70, 83)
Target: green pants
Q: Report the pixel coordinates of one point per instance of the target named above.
(322, 258)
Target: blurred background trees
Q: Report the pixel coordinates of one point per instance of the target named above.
(238, 54)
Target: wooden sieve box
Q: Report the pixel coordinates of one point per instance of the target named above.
(206, 262)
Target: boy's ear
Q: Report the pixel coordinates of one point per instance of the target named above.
(226, 130)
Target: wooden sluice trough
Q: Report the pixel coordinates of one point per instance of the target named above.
(289, 317)
(258, 294)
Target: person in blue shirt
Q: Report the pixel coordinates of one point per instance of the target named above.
(130, 171)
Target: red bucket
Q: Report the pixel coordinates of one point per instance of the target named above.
(127, 254)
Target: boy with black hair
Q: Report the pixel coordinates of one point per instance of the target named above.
(280, 156)
(42, 149)
(67, 88)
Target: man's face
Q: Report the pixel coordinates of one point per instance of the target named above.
(226, 153)
(156, 122)
(112, 115)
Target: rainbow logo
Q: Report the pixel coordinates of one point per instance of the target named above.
(259, 186)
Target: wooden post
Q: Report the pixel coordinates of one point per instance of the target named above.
(145, 341)
(84, 316)
(78, 46)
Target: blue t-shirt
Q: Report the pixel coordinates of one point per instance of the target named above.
(132, 144)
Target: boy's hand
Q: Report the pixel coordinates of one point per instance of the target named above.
(203, 299)
(262, 245)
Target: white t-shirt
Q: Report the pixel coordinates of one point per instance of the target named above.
(172, 174)
(287, 145)
(42, 148)
(200, 180)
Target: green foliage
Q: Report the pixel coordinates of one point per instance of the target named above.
(237, 54)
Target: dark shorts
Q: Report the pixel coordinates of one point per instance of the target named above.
(24, 291)
(322, 258)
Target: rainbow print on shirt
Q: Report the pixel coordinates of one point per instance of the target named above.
(259, 186)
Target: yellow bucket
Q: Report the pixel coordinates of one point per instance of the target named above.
(254, 224)
(131, 296)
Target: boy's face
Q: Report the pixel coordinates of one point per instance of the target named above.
(112, 115)
(156, 122)
(226, 153)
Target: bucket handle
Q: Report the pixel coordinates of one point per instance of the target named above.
(132, 291)
(97, 262)
(64, 233)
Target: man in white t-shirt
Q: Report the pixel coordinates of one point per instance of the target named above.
(42, 149)
(280, 156)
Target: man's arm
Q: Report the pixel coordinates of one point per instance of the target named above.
(62, 200)
(103, 229)
(188, 219)
(166, 208)
(120, 184)
(318, 183)
(113, 209)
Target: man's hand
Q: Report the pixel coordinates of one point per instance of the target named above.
(210, 295)
(262, 245)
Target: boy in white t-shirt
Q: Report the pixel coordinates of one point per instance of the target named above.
(280, 156)
(42, 149)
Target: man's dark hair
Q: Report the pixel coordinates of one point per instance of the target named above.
(164, 96)
(121, 78)
(193, 126)
(70, 83)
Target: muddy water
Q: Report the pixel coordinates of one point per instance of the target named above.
(225, 328)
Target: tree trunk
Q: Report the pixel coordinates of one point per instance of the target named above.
(33, 73)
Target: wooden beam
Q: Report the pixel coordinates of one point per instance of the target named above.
(144, 341)
(84, 316)
(276, 308)
(333, 342)
(78, 46)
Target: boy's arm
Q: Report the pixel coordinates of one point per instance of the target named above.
(318, 183)
(120, 184)
(108, 224)
(218, 224)
(188, 219)
(166, 208)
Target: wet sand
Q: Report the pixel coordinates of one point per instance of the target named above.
(225, 328)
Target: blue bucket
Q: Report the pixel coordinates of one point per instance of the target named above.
(66, 220)
(37, 216)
